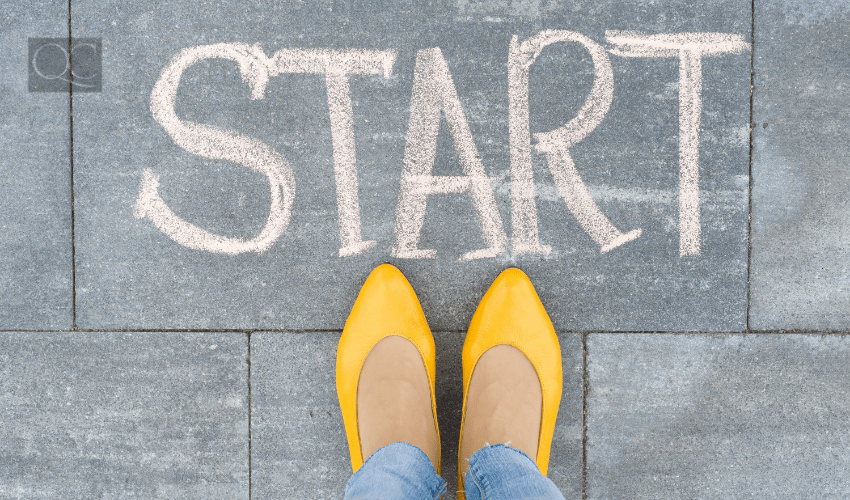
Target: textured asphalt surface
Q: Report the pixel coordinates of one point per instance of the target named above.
(148, 350)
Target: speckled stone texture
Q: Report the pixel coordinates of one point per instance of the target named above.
(718, 416)
(231, 390)
(123, 415)
(35, 178)
(800, 241)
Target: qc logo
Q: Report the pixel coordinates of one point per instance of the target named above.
(55, 65)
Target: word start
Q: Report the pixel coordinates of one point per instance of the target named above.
(434, 92)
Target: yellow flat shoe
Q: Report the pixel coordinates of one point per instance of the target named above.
(511, 314)
(386, 306)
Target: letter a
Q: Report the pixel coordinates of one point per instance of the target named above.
(433, 90)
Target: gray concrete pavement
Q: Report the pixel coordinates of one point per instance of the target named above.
(131, 274)
(800, 160)
(35, 212)
(123, 415)
(718, 416)
(168, 322)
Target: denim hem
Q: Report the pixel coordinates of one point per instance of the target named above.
(501, 445)
(397, 471)
(500, 472)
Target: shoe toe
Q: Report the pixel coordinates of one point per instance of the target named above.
(511, 313)
(387, 305)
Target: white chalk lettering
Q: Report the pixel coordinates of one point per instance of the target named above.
(556, 145)
(524, 237)
(433, 91)
(434, 95)
(210, 142)
(689, 48)
(337, 65)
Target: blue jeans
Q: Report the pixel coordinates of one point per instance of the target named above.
(401, 471)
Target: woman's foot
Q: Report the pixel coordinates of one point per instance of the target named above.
(512, 373)
(394, 399)
(504, 404)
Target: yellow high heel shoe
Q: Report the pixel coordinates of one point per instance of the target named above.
(386, 306)
(511, 314)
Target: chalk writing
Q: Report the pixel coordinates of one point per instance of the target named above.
(434, 90)
(689, 48)
(433, 96)
(211, 142)
(556, 144)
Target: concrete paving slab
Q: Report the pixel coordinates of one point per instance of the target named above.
(718, 416)
(35, 168)
(298, 443)
(123, 415)
(299, 255)
(800, 276)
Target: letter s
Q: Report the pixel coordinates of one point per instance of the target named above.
(214, 143)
